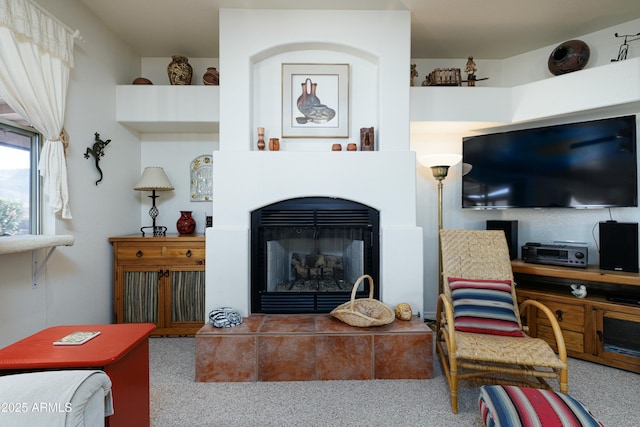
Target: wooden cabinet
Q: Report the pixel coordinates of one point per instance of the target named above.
(160, 280)
(594, 328)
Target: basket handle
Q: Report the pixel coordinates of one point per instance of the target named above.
(355, 288)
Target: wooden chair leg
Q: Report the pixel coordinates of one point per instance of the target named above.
(454, 387)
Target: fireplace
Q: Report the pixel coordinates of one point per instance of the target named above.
(307, 253)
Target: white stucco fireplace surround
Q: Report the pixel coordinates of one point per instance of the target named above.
(253, 46)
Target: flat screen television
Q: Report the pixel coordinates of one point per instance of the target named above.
(578, 165)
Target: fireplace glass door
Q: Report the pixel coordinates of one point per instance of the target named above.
(307, 264)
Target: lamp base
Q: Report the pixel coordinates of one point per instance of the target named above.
(158, 230)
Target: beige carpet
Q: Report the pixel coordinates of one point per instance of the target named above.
(176, 400)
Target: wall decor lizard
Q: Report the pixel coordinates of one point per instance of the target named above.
(97, 150)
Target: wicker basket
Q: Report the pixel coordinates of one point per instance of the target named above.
(363, 312)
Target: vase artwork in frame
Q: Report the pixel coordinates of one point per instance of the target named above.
(315, 100)
(201, 177)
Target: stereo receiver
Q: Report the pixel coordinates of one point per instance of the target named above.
(568, 256)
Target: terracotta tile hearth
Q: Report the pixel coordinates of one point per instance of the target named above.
(312, 347)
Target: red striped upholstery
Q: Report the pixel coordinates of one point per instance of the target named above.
(484, 307)
(508, 406)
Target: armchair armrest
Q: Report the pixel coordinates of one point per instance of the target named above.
(555, 326)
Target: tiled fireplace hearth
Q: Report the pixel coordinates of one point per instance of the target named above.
(272, 347)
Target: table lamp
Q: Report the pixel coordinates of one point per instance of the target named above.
(154, 179)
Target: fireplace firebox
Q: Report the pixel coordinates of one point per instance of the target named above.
(307, 253)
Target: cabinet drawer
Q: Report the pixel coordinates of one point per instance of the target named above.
(164, 254)
(573, 341)
(184, 254)
(570, 317)
(136, 252)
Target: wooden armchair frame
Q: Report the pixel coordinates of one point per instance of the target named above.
(485, 358)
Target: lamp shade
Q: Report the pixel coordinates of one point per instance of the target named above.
(440, 159)
(153, 178)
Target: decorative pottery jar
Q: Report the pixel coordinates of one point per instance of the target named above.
(142, 81)
(569, 56)
(352, 147)
(186, 224)
(179, 71)
(336, 147)
(211, 77)
(274, 144)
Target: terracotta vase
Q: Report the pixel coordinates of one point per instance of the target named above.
(186, 224)
(179, 71)
(336, 147)
(211, 77)
(274, 144)
(352, 147)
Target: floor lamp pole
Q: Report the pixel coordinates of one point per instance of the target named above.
(439, 173)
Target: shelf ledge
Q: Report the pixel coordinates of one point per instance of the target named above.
(31, 242)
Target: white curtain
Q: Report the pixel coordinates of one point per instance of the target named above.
(36, 56)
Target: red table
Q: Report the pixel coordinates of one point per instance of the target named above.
(121, 351)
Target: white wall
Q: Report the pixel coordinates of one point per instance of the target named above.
(76, 285)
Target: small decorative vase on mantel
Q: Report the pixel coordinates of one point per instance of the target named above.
(186, 224)
(179, 71)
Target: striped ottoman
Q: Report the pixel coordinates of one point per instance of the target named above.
(509, 406)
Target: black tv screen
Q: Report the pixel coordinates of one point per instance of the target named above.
(577, 165)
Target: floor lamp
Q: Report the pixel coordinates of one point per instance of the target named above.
(440, 164)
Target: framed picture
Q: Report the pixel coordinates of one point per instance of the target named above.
(315, 100)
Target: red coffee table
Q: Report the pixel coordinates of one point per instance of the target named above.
(121, 351)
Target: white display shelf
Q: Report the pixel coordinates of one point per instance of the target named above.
(196, 109)
(592, 89)
(169, 109)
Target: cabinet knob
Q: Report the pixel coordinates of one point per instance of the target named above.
(139, 254)
(559, 315)
(188, 253)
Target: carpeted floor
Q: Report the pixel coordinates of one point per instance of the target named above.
(177, 400)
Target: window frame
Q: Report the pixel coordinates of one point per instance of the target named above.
(35, 193)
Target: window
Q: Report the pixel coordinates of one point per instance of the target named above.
(19, 180)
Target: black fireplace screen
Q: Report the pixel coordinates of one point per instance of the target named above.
(307, 254)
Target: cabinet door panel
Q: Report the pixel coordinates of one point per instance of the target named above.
(140, 297)
(187, 296)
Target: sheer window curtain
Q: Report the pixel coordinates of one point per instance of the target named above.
(36, 56)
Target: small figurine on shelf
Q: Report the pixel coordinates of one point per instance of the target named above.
(414, 73)
(470, 69)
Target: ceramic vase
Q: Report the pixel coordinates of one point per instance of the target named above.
(186, 224)
(274, 144)
(179, 71)
(261, 144)
(211, 77)
(569, 56)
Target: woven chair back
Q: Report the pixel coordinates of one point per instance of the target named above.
(475, 254)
